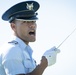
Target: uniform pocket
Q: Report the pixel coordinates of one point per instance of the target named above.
(29, 63)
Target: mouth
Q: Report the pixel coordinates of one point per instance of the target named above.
(32, 33)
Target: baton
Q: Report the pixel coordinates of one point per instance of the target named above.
(66, 38)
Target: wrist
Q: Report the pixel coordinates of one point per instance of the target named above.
(44, 62)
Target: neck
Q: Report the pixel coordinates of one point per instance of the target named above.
(23, 40)
(26, 42)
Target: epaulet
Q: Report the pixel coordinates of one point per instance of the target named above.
(14, 42)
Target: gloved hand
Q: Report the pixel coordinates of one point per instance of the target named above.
(50, 55)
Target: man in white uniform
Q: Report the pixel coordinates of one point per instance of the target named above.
(16, 54)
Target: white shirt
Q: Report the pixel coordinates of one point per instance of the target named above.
(16, 58)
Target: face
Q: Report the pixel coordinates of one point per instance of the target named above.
(26, 30)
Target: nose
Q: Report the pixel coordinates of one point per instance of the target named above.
(33, 26)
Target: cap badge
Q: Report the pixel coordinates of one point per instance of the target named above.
(29, 6)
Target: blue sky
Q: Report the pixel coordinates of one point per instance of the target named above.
(57, 19)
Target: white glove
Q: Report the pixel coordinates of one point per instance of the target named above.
(51, 55)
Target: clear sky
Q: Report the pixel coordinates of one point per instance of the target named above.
(57, 19)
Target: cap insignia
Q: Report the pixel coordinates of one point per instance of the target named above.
(29, 6)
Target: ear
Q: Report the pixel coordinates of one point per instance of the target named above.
(13, 26)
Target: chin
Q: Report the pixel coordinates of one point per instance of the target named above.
(32, 40)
